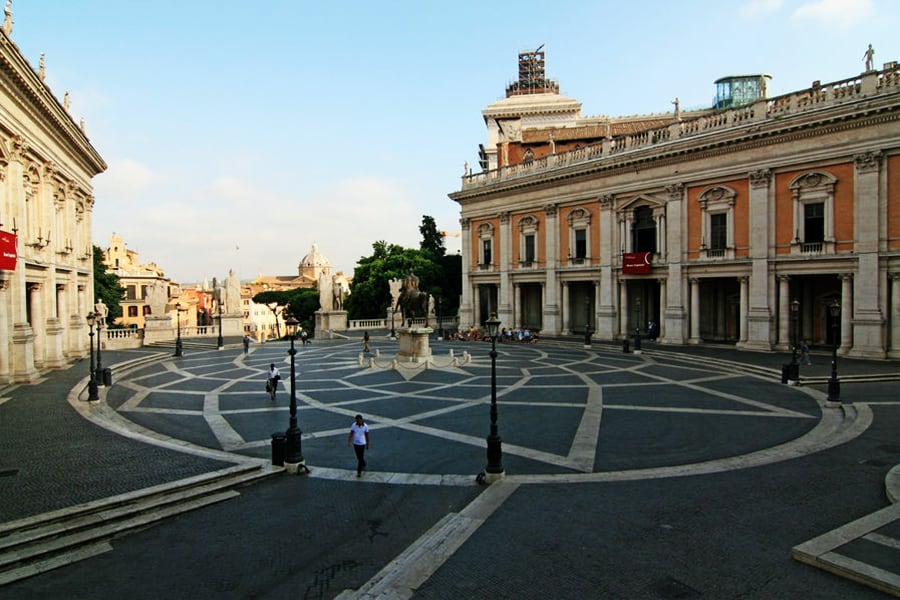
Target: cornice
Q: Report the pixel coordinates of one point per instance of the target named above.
(729, 141)
(36, 99)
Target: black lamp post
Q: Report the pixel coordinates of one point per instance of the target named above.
(637, 325)
(293, 455)
(437, 299)
(494, 469)
(834, 384)
(393, 331)
(98, 373)
(795, 310)
(93, 393)
(178, 348)
(219, 303)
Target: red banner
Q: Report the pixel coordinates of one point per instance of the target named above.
(636, 262)
(8, 253)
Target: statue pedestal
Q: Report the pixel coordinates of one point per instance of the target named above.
(414, 345)
(158, 329)
(334, 320)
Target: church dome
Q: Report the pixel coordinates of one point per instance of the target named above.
(314, 259)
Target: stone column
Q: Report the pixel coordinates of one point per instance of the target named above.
(662, 307)
(759, 313)
(868, 318)
(623, 307)
(517, 309)
(566, 317)
(847, 336)
(745, 294)
(784, 312)
(5, 363)
(551, 306)
(504, 295)
(476, 306)
(695, 311)
(895, 315)
(606, 301)
(673, 326)
(466, 308)
(38, 325)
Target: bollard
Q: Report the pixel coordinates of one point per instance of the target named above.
(625, 348)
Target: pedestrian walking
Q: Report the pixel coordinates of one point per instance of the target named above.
(246, 344)
(359, 439)
(804, 353)
(272, 378)
(366, 341)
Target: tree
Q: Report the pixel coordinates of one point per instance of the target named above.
(370, 294)
(302, 304)
(432, 243)
(107, 287)
(275, 301)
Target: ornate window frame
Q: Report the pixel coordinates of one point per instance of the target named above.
(580, 220)
(485, 233)
(528, 226)
(717, 200)
(813, 187)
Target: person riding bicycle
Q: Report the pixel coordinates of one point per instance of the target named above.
(272, 381)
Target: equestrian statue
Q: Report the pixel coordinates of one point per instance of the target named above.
(411, 302)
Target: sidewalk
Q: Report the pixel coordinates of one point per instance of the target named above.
(51, 458)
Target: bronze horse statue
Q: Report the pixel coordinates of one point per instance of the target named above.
(412, 303)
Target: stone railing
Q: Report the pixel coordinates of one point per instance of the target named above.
(868, 84)
(123, 339)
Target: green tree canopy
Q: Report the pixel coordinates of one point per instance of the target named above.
(370, 294)
(107, 287)
(300, 303)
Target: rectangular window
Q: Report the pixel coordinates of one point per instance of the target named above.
(143, 292)
(132, 311)
(529, 249)
(718, 231)
(486, 252)
(580, 243)
(130, 292)
(814, 223)
(146, 310)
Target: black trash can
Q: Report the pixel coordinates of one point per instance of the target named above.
(625, 347)
(278, 441)
(790, 372)
(106, 377)
(784, 373)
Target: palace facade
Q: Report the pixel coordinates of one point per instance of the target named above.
(758, 222)
(46, 198)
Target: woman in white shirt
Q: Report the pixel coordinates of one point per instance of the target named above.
(359, 439)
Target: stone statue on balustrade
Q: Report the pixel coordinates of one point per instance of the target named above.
(157, 298)
(232, 293)
(326, 301)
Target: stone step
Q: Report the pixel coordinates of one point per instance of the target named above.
(37, 544)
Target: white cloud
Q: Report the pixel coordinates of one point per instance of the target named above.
(841, 14)
(759, 8)
(124, 179)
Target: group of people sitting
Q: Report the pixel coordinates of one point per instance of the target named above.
(523, 336)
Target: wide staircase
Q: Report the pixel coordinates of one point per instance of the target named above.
(44, 542)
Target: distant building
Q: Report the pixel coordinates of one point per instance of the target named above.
(756, 222)
(47, 165)
(259, 321)
(137, 279)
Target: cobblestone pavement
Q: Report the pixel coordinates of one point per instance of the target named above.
(674, 473)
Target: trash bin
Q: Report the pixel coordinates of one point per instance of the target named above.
(790, 372)
(637, 341)
(625, 347)
(278, 441)
(106, 377)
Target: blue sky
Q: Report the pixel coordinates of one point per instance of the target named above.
(238, 134)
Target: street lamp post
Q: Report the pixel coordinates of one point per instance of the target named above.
(179, 351)
(93, 393)
(494, 469)
(440, 323)
(834, 384)
(637, 326)
(293, 455)
(98, 372)
(219, 303)
(795, 311)
(393, 331)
